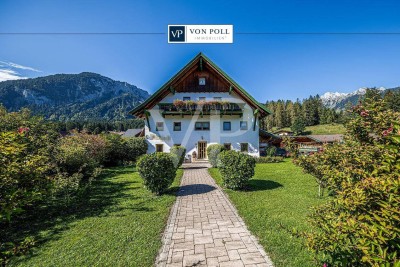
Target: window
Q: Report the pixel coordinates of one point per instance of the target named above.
(244, 147)
(177, 126)
(160, 126)
(159, 147)
(227, 146)
(202, 126)
(202, 81)
(202, 98)
(218, 98)
(243, 125)
(227, 126)
(186, 98)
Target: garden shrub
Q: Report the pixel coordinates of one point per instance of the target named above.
(360, 224)
(236, 168)
(135, 147)
(81, 153)
(157, 171)
(270, 151)
(116, 149)
(180, 152)
(213, 152)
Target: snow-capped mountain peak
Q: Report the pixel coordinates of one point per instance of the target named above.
(332, 99)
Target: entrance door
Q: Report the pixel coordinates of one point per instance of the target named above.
(202, 149)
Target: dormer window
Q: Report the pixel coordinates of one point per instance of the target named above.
(202, 81)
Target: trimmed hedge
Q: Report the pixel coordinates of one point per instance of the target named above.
(157, 171)
(179, 152)
(213, 152)
(236, 168)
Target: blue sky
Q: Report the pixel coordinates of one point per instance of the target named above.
(270, 67)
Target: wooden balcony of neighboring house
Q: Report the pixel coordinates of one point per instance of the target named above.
(226, 109)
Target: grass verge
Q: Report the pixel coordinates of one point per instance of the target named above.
(117, 223)
(279, 193)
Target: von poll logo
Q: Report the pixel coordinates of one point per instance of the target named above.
(203, 34)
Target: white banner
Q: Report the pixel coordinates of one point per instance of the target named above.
(200, 34)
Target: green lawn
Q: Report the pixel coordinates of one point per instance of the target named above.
(333, 128)
(279, 193)
(118, 223)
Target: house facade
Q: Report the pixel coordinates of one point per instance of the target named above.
(199, 106)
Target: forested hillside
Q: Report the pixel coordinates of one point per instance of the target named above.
(78, 97)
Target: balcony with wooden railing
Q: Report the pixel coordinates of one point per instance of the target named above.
(183, 108)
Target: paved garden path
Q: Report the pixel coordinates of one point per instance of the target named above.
(205, 229)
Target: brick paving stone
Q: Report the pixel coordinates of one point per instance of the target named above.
(205, 229)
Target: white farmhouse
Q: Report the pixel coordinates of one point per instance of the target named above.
(199, 106)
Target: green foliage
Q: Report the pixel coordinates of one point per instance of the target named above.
(179, 152)
(291, 146)
(23, 171)
(360, 225)
(135, 147)
(115, 149)
(298, 126)
(81, 153)
(213, 152)
(236, 168)
(157, 171)
(270, 151)
(308, 112)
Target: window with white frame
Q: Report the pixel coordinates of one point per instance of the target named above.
(227, 126)
(202, 126)
(243, 125)
(159, 126)
(177, 126)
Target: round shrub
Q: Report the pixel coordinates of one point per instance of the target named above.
(213, 152)
(157, 171)
(236, 168)
(180, 152)
(135, 147)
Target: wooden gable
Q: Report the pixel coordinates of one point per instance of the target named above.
(189, 81)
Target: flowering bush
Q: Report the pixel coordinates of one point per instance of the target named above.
(360, 224)
(81, 153)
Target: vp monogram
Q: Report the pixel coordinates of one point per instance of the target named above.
(176, 33)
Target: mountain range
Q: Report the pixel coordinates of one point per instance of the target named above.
(339, 101)
(84, 96)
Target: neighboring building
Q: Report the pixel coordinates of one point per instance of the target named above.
(133, 133)
(283, 133)
(199, 106)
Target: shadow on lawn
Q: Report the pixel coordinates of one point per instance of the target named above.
(261, 185)
(99, 200)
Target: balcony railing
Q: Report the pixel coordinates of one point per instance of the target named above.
(202, 109)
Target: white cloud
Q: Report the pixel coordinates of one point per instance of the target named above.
(6, 75)
(12, 71)
(18, 66)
